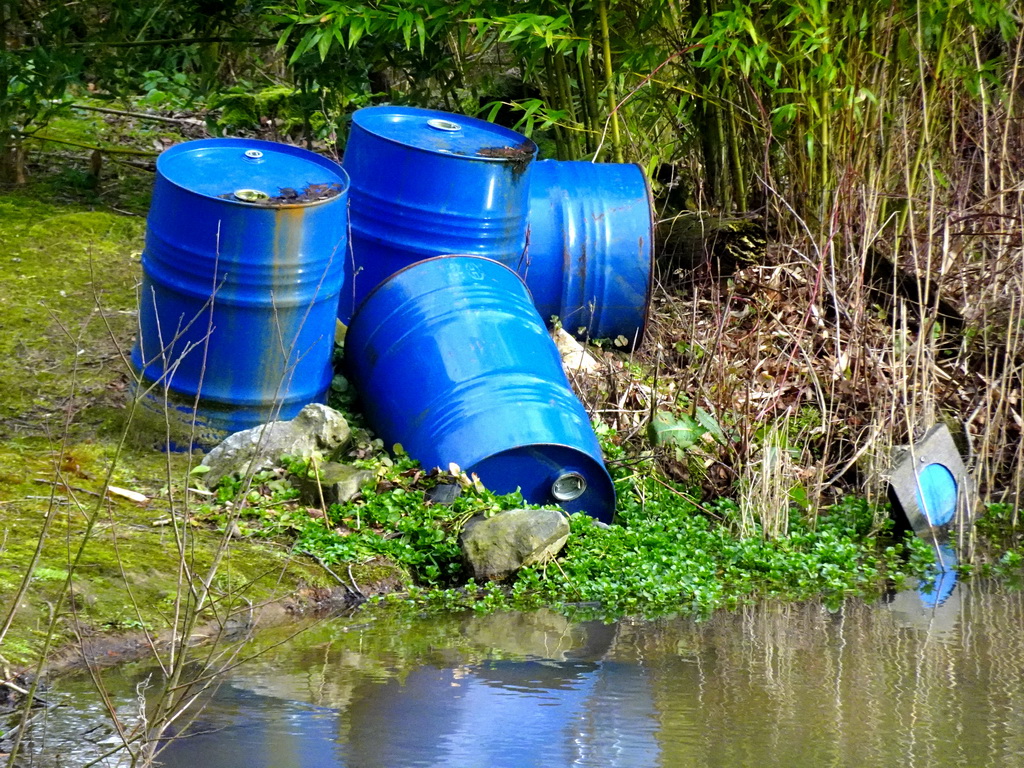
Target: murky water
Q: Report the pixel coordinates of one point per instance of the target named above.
(923, 679)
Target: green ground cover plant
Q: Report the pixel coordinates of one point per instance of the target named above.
(668, 552)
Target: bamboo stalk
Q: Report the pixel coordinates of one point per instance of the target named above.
(549, 90)
(739, 182)
(565, 96)
(722, 192)
(585, 114)
(986, 180)
(590, 98)
(825, 138)
(609, 79)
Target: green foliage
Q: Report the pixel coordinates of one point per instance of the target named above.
(683, 431)
(392, 520)
(997, 519)
(166, 91)
(343, 52)
(192, 46)
(313, 113)
(669, 554)
(1000, 538)
(672, 556)
(34, 75)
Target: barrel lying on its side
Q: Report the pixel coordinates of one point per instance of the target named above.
(242, 271)
(452, 361)
(590, 256)
(428, 183)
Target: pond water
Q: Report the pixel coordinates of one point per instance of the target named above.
(922, 678)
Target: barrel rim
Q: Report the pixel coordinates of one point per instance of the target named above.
(652, 261)
(550, 165)
(600, 465)
(508, 132)
(277, 146)
(407, 267)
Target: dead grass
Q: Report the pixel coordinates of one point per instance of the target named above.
(842, 342)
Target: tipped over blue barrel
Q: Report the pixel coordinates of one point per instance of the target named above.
(428, 183)
(591, 250)
(452, 361)
(242, 273)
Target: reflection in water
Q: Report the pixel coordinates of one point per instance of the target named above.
(242, 729)
(934, 605)
(542, 695)
(941, 581)
(803, 686)
(913, 681)
(507, 713)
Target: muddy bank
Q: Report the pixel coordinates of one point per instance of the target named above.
(307, 605)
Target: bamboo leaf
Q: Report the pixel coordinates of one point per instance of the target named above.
(283, 40)
(495, 108)
(324, 44)
(355, 30)
(421, 30)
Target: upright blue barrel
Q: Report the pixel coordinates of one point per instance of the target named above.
(452, 361)
(242, 272)
(590, 258)
(428, 183)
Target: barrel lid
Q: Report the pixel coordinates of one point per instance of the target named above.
(570, 476)
(445, 133)
(248, 171)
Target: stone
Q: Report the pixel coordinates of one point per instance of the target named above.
(443, 494)
(316, 428)
(339, 483)
(575, 358)
(496, 547)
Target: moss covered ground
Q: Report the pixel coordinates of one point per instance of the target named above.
(69, 265)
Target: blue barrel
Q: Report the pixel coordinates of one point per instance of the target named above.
(452, 361)
(428, 183)
(936, 494)
(591, 252)
(242, 272)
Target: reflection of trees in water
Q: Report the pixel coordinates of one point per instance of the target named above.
(774, 684)
(864, 686)
(793, 685)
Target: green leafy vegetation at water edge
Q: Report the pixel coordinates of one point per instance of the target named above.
(667, 554)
